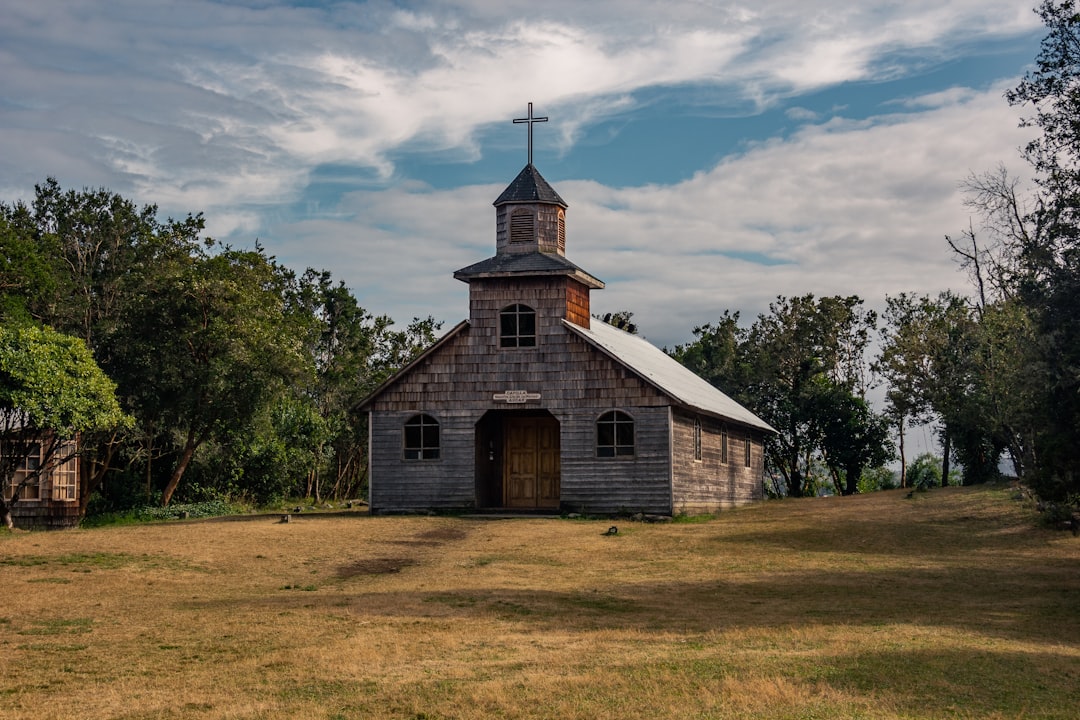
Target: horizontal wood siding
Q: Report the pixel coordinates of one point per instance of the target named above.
(709, 484)
(399, 484)
(641, 483)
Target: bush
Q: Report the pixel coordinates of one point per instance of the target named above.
(924, 472)
(209, 508)
(879, 478)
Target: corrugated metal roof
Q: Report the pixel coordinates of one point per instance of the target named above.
(667, 374)
(529, 186)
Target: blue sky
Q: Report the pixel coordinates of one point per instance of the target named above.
(713, 154)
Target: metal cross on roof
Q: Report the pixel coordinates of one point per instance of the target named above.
(530, 120)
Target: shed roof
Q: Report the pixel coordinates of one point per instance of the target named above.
(664, 372)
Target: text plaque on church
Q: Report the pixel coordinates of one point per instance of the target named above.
(513, 397)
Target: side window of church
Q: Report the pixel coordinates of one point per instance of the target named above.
(517, 327)
(615, 435)
(697, 439)
(422, 438)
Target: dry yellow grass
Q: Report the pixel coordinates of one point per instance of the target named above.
(950, 604)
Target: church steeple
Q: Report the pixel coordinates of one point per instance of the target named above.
(529, 269)
(530, 216)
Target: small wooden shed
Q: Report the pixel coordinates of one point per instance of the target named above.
(531, 404)
(44, 490)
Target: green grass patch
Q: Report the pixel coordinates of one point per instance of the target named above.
(58, 626)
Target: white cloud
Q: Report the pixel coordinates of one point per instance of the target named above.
(845, 207)
(211, 105)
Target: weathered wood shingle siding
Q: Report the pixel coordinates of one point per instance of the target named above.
(577, 384)
(709, 484)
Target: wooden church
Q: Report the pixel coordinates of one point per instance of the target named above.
(532, 404)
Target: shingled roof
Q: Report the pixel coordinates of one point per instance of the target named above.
(529, 187)
(534, 263)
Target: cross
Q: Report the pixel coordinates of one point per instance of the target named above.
(530, 120)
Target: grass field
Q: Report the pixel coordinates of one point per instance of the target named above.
(949, 604)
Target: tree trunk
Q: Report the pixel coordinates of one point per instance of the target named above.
(903, 459)
(93, 479)
(5, 515)
(853, 473)
(174, 480)
(946, 441)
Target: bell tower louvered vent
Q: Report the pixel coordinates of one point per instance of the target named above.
(522, 227)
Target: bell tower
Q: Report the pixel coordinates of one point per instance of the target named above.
(530, 267)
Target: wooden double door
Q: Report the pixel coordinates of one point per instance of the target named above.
(531, 464)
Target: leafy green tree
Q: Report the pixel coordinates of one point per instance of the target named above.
(1048, 258)
(853, 437)
(928, 357)
(86, 256)
(803, 347)
(353, 353)
(717, 354)
(622, 319)
(50, 391)
(792, 367)
(207, 345)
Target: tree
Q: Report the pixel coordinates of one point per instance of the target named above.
(1048, 261)
(207, 345)
(87, 255)
(622, 319)
(354, 352)
(853, 437)
(50, 390)
(929, 352)
(787, 367)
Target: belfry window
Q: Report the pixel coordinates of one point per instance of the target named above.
(517, 327)
(615, 435)
(421, 438)
(562, 231)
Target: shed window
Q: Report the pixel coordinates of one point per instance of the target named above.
(517, 327)
(66, 474)
(615, 435)
(27, 480)
(746, 459)
(723, 447)
(421, 438)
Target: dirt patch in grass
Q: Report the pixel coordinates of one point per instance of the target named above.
(375, 566)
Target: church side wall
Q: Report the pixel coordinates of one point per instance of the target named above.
(710, 484)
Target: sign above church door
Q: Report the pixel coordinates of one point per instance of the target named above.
(515, 397)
